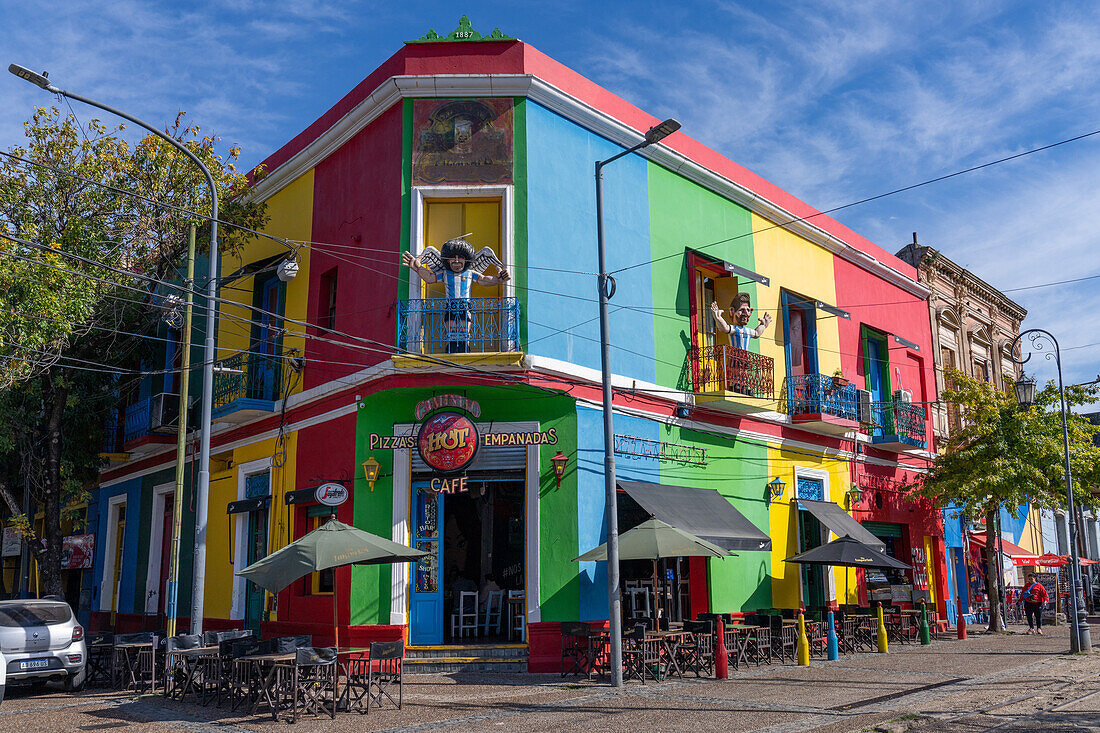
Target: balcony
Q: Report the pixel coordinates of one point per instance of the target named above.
(733, 379)
(150, 422)
(459, 329)
(113, 450)
(245, 387)
(899, 427)
(817, 402)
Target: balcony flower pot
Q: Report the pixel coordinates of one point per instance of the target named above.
(840, 381)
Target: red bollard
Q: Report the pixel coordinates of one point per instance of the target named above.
(721, 656)
(960, 620)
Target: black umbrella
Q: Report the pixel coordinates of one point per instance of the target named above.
(847, 552)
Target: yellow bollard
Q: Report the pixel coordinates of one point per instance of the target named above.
(803, 647)
(883, 647)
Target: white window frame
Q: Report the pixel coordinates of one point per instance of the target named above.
(240, 546)
(400, 578)
(106, 593)
(156, 544)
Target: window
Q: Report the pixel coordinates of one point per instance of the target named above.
(800, 334)
(326, 316)
(876, 369)
(478, 220)
(947, 359)
(981, 369)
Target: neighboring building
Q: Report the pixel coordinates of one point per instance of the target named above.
(973, 326)
(495, 141)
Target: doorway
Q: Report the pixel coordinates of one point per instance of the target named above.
(476, 542)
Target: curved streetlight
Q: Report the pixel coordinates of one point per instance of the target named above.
(606, 287)
(199, 567)
(1080, 639)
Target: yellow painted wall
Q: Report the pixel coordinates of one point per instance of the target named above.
(221, 539)
(1032, 536)
(786, 581)
(291, 217)
(802, 267)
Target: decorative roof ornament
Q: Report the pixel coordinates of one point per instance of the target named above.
(464, 32)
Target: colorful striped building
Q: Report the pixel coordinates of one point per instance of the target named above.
(338, 368)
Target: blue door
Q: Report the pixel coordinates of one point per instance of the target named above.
(874, 382)
(426, 603)
(269, 343)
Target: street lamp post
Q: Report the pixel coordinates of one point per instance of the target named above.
(1080, 639)
(199, 566)
(606, 287)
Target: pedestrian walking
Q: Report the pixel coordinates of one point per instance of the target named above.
(1035, 597)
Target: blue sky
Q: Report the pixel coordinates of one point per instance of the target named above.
(834, 101)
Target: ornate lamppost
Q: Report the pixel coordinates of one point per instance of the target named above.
(1080, 639)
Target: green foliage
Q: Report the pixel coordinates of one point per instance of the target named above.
(1006, 457)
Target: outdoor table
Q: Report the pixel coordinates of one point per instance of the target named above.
(263, 669)
(669, 642)
(126, 664)
(192, 667)
(749, 643)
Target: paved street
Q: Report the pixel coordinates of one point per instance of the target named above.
(1012, 683)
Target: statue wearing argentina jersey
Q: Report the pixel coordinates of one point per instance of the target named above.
(457, 259)
(739, 331)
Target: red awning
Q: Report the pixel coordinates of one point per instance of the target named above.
(1013, 551)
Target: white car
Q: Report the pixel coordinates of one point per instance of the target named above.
(40, 640)
(3, 675)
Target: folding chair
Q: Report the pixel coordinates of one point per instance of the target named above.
(698, 654)
(101, 652)
(314, 682)
(464, 616)
(385, 672)
(517, 623)
(641, 656)
(135, 661)
(576, 652)
(241, 685)
(178, 680)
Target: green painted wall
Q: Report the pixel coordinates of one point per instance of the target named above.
(379, 412)
(684, 215)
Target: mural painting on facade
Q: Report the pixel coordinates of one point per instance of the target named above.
(462, 141)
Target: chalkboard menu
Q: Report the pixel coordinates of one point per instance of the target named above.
(1050, 582)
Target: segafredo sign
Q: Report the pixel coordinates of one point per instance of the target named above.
(331, 494)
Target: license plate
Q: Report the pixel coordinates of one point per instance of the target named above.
(35, 664)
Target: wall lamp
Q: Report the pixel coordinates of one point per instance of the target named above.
(560, 461)
(776, 487)
(854, 494)
(371, 469)
(683, 410)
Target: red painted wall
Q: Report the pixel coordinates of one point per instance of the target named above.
(357, 201)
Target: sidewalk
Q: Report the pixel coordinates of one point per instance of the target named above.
(986, 681)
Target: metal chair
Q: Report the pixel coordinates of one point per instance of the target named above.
(494, 612)
(464, 616)
(576, 652)
(517, 624)
(178, 680)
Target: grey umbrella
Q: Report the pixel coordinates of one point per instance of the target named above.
(653, 540)
(332, 545)
(848, 552)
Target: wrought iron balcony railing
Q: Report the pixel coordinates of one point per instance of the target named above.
(900, 418)
(246, 376)
(113, 438)
(446, 325)
(729, 369)
(811, 394)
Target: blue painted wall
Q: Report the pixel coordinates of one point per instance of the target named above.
(132, 553)
(561, 224)
(591, 499)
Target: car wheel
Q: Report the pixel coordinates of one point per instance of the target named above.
(75, 682)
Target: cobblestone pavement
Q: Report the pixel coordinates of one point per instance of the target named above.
(1008, 682)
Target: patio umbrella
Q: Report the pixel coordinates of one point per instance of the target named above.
(332, 545)
(653, 540)
(848, 552)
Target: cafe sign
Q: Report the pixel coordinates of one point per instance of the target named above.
(331, 494)
(447, 442)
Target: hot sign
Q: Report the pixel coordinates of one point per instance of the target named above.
(447, 442)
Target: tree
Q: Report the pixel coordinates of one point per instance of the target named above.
(83, 261)
(1005, 457)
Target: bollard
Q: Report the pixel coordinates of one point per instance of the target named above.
(883, 647)
(925, 635)
(721, 654)
(960, 619)
(803, 647)
(832, 647)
